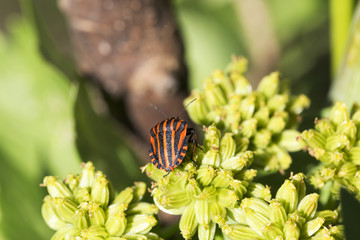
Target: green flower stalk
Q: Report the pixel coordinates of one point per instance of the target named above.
(335, 142)
(290, 215)
(266, 117)
(204, 191)
(84, 206)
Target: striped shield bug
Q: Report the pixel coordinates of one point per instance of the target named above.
(169, 143)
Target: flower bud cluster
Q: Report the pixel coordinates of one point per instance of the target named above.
(84, 207)
(265, 117)
(290, 215)
(335, 141)
(205, 190)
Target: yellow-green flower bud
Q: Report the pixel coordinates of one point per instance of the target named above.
(347, 170)
(141, 223)
(354, 155)
(87, 175)
(193, 187)
(236, 231)
(337, 231)
(337, 142)
(217, 212)
(82, 194)
(197, 110)
(308, 205)
(100, 191)
(212, 137)
(288, 196)
(298, 181)
(225, 83)
(239, 187)
(256, 204)
(56, 188)
(238, 162)
(52, 219)
(298, 104)
(115, 224)
(238, 215)
(312, 227)
(272, 231)
(214, 95)
(67, 232)
(247, 106)
(336, 158)
(276, 124)
(339, 113)
(269, 85)
(329, 216)
(238, 65)
(72, 181)
(313, 138)
(208, 194)
(65, 208)
(258, 190)
(227, 146)
(202, 212)
(81, 220)
(288, 140)
(226, 197)
(125, 196)
(348, 128)
(206, 232)
(262, 116)
(262, 138)
(175, 199)
(277, 103)
(248, 127)
(222, 179)
(247, 175)
(205, 174)
(256, 220)
(277, 213)
(324, 126)
(139, 191)
(242, 85)
(96, 213)
(142, 208)
(188, 223)
(94, 232)
(291, 230)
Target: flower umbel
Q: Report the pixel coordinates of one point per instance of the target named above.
(203, 192)
(266, 117)
(335, 142)
(84, 206)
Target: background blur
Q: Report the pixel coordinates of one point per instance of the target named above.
(57, 108)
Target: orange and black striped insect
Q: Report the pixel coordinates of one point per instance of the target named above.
(169, 143)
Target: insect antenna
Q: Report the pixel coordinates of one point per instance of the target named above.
(186, 107)
(158, 109)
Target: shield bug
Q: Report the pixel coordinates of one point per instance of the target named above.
(169, 143)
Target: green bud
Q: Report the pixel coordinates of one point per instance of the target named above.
(214, 95)
(225, 83)
(100, 191)
(276, 124)
(269, 85)
(271, 231)
(142, 208)
(246, 175)
(202, 212)
(325, 127)
(262, 116)
(277, 213)
(237, 65)
(141, 223)
(217, 212)
(238, 162)
(258, 205)
(197, 110)
(298, 104)
(125, 196)
(232, 121)
(67, 232)
(354, 155)
(116, 223)
(241, 144)
(313, 138)
(248, 127)
(205, 174)
(226, 197)
(239, 187)
(288, 140)
(257, 190)
(298, 181)
(206, 232)
(280, 160)
(336, 142)
(227, 146)
(237, 231)
(262, 138)
(52, 219)
(288, 196)
(81, 221)
(336, 158)
(277, 103)
(256, 220)
(175, 199)
(82, 194)
(65, 208)
(329, 216)
(308, 205)
(56, 188)
(212, 137)
(237, 214)
(291, 230)
(347, 170)
(339, 113)
(242, 85)
(87, 175)
(222, 179)
(94, 233)
(297, 218)
(96, 213)
(188, 223)
(348, 128)
(337, 231)
(247, 106)
(312, 227)
(139, 191)
(152, 172)
(72, 181)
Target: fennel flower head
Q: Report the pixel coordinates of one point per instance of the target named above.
(205, 190)
(266, 118)
(84, 206)
(335, 142)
